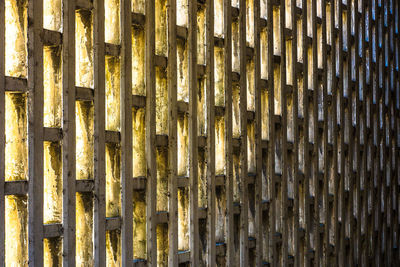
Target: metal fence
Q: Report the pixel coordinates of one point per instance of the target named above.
(202, 133)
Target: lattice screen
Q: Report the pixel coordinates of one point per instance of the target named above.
(216, 132)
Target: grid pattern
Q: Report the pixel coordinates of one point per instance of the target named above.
(202, 133)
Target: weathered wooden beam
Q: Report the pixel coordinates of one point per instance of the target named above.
(113, 223)
(99, 217)
(84, 4)
(112, 137)
(52, 134)
(112, 49)
(183, 256)
(139, 183)
(173, 107)
(138, 101)
(2, 132)
(194, 242)
(138, 19)
(243, 177)
(84, 186)
(228, 80)
(35, 133)
(126, 133)
(151, 187)
(51, 38)
(16, 187)
(52, 230)
(15, 84)
(84, 94)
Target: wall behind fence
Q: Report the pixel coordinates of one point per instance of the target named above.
(201, 133)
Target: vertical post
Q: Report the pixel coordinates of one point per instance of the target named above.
(258, 136)
(348, 131)
(363, 243)
(283, 132)
(126, 133)
(193, 147)
(243, 188)
(151, 188)
(377, 98)
(2, 131)
(357, 153)
(296, 137)
(376, 138)
(326, 157)
(99, 136)
(385, 135)
(68, 125)
(380, 57)
(341, 140)
(396, 130)
(314, 172)
(172, 136)
(371, 224)
(396, 144)
(335, 92)
(306, 151)
(271, 143)
(228, 130)
(210, 98)
(35, 132)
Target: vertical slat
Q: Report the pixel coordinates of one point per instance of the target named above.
(388, 167)
(271, 141)
(258, 136)
(306, 183)
(2, 132)
(68, 125)
(341, 134)
(349, 155)
(391, 114)
(386, 142)
(325, 190)
(364, 170)
(151, 193)
(243, 188)
(210, 100)
(385, 137)
(99, 136)
(35, 132)
(228, 131)
(296, 137)
(357, 145)
(397, 129)
(394, 116)
(370, 180)
(378, 149)
(382, 135)
(193, 147)
(283, 132)
(396, 10)
(374, 138)
(335, 91)
(377, 168)
(348, 175)
(172, 136)
(126, 133)
(314, 170)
